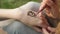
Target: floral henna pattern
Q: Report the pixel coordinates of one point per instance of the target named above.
(31, 13)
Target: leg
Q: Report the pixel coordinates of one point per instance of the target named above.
(19, 28)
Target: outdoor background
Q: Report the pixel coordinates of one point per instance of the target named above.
(14, 3)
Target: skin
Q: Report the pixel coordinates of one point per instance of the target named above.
(21, 15)
(47, 5)
(46, 32)
(8, 13)
(33, 22)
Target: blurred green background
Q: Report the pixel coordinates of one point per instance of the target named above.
(14, 3)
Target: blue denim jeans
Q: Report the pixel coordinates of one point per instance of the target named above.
(19, 28)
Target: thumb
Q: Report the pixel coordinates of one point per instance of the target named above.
(51, 29)
(44, 31)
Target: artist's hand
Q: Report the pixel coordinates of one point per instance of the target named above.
(34, 22)
(50, 7)
(46, 3)
(42, 23)
(46, 32)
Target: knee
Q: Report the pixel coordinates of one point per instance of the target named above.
(14, 26)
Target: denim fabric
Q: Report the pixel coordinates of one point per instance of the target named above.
(19, 28)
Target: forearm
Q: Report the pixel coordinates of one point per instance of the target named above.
(8, 13)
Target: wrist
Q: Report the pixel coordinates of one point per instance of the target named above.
(17, 14)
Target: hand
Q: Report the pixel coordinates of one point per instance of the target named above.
(34, 22)
(42, 23)
(51, 8)
(46, 32)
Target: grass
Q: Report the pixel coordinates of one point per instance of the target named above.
(13, 3)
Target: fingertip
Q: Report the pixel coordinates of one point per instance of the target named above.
(37, 29)
(51, 29)
(44, 31)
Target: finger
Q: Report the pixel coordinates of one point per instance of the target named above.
(40, 15)
(43, 5)
(43, 19)
(37, 29)
(50, 3)
(50, 9)
(43, 22)
(44, 31)
(51, 29)
(47, 9)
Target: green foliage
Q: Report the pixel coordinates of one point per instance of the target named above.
(13, 3)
